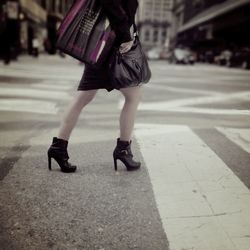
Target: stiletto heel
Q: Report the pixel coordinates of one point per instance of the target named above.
(49, 162)
(58, 151)
(124, 154)
(115, 163)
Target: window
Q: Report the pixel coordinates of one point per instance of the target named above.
(147, 35)
(155, 35)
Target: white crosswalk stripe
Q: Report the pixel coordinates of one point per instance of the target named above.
(202, 203)
(34, 93)
(52, 84)
(182, 105)
(42, 101)
(239, 136)
(33, 106)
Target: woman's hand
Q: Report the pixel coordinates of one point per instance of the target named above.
(125, 47)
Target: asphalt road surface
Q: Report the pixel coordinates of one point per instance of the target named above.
(192, 135)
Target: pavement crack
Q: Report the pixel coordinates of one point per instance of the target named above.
(204, 216)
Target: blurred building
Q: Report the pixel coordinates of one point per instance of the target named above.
(24, 21)
(211, 24)
(2, 16)
(153, 20)
(56, 10)
(33, 20)
(178, 11)
(28, 22)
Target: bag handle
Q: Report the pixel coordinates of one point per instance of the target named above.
(135, 30)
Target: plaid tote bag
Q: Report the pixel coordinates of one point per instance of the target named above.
(85, 32)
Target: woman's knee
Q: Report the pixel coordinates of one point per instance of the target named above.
(132, 94)
(84, 97)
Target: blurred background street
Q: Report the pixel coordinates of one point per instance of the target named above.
(192, 134)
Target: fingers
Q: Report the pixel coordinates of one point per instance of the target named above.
(125, 47)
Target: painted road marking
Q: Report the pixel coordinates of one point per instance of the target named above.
(33, 106)
(34, 93)
(163, 105)
(32, 100)
(202, 204)
(210, 111)
(72, 76)
(182, 105)
(50, 86)
(182, 90)
(239, 136)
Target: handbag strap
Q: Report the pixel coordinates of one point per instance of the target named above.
(136, 33)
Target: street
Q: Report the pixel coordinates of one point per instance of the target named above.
(192, 135)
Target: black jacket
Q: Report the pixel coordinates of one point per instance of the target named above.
(121, 14)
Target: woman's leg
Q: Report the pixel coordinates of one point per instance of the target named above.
(122, 150)
(127, 118)
(82, 98)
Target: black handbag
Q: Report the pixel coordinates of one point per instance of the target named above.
(129, 69)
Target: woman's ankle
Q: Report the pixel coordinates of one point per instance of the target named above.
(125, 138)
(63, 137)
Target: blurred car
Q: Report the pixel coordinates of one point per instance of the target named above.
(165, 54)
(224, 58)
(184, 56)
(154, 53)
(241, 58)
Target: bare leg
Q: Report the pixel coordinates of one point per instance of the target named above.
(127, 118)
(82, 98)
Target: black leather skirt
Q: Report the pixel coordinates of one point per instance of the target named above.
(95, 78)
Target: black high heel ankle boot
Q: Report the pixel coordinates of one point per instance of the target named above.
(58, 151)
(124, 154)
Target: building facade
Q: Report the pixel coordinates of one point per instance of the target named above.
(211, 24)
(153, 20)
(33, 21)
(23, 21)
(56, 10)
(178, 11)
